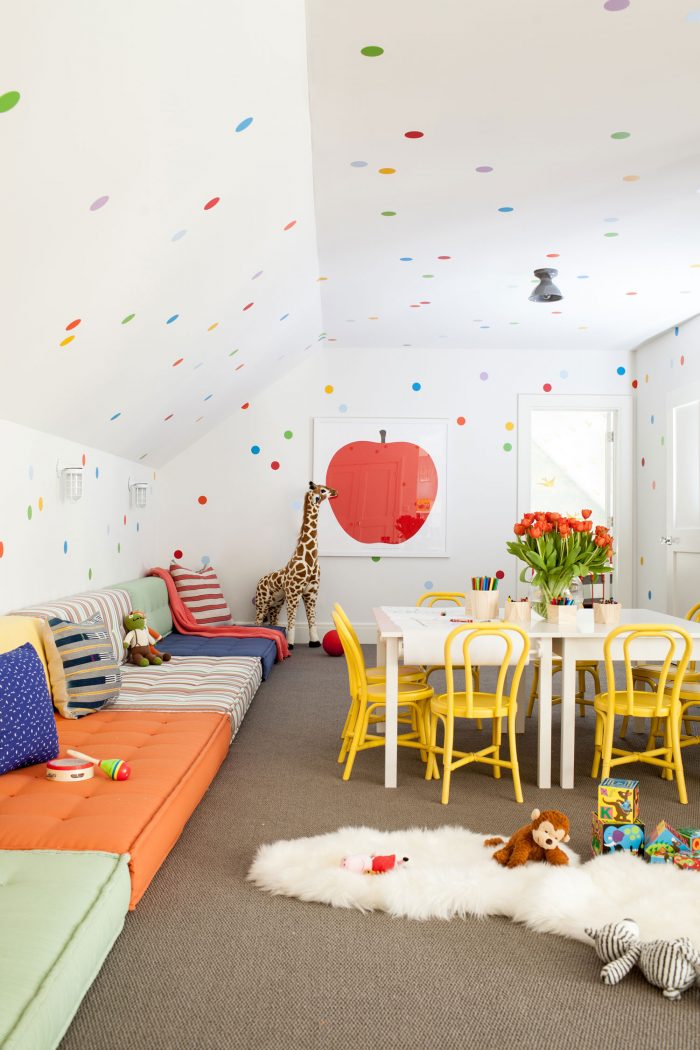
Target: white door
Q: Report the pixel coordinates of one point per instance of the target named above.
(682, 537)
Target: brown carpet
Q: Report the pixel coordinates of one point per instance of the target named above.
(207, 961)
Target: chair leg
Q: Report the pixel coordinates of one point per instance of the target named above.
(653, 733)
(533, 689)
(623, 727)
(447, 776)
(678, 758)
(598, 744)
(496, 731)
(608, 732)
(667, 774)
(514, 757)
(432, 740)
(357, 738)
(347, 731)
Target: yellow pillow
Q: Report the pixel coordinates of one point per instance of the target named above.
(16, 630)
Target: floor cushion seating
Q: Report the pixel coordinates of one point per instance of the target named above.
(60, 913)
(150, 594)
(173, 758)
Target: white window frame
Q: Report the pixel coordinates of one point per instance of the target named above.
(624, 528)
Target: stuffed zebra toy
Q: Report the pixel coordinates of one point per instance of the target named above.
(673, 966)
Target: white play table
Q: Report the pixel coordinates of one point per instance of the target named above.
(580, 641)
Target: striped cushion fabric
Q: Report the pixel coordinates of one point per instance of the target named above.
(201, 592)
(91, 676)
(224, 684)
(112, 604)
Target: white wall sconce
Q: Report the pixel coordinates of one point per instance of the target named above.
(139, 493)
(71, 480)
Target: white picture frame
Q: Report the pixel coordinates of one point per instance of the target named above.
(430, 436)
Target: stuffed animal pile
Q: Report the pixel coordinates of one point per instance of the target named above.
(673, 966)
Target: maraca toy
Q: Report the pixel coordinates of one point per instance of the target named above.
(114, 768)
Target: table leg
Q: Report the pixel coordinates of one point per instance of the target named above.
(568, 713)
(381, 650)
(392, 711)
(544, 716)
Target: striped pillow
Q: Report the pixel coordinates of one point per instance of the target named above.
(84, 674)
(201, 592)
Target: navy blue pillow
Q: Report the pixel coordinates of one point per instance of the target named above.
(27, 727)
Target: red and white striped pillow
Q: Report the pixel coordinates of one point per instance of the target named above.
(201, 592)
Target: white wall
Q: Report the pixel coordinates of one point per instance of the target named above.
(250, 521)
(106, 540)
(663, 364)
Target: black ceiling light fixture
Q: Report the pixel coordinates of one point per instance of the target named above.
(546, 291)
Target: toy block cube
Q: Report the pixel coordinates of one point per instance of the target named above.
(663, 844)
(692, 837)
(617, 836)
(618, 801)
(688, 861)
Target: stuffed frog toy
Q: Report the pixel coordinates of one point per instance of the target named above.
(139, 641)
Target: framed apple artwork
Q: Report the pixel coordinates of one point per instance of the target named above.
(390, 478)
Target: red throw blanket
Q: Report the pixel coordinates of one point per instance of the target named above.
(185, 622)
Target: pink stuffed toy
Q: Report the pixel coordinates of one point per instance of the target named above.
(371, 864)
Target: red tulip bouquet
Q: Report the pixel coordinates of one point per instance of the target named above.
(556, 549)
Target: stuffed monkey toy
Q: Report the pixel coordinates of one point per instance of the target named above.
(538, 840)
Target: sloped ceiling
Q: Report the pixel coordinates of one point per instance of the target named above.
(157, 189)
(491, 138)
(159, 209)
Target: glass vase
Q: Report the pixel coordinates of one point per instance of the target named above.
(542, 592)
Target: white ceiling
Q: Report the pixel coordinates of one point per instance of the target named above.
(140, 104)
(533, 89)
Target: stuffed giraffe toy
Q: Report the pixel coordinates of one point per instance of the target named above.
(299, 579)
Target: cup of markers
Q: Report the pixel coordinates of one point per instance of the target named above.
(517, 612)
(561, 610)
(484, 598)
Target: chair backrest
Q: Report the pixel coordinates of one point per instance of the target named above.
(355, 661)
(501, 645)
(675, 646)
(431, 598)
(346, 620)
(693, 614)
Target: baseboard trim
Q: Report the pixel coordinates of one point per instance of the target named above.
(366, 632)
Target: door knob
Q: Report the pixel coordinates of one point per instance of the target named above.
(668, 540)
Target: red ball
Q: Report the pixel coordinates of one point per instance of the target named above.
(331, 643)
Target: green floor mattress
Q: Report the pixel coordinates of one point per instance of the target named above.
(60, 913)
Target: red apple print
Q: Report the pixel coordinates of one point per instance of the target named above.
(386, 490)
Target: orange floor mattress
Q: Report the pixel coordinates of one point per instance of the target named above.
(173, 758)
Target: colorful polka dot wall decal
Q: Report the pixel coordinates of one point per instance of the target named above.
(415, 386)
(202, 500)
(372, 51)
(358, 163)
(375, 558)
(620, 135)
(73, 324)
(248, 306)
(211, 203)
(342, 408)
(483, 376)
(40, 503)
(205, 559)
(635, 384)
(547, 387)
(67, 340)
(388, 213)
(245, 405)
(483, 169)
(428, 585)
(630, 178)
(284, 317)
(616, 5)
(178, 362)
(179, 235)
(611, 234)
(506, 207)
(693, 16)
(510, 426)
(213, 326)
(8, 101)
(288, 434)
(643, 461)
(328, 389)
(29, 512)
(563, 374)
(256, 275)
(99, 203)
(413, 134)
(172, 318)
(244, 124)
(290, 225)
(406, 258)
(89, 574)
(177, 554)
(208, 397)
(65, 546)
(168, 417)
(255, 449)
(507, 447)
(115, 416)
(129, 317)
(275, 465)
(621, 370)
(461, 421)
(387, 171)
(97, 472)
(2, 548)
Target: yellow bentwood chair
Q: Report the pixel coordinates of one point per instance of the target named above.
(504, 646)
(367, 699)
(583, 667)
(662, 706)
(431, 598)
(377, 675)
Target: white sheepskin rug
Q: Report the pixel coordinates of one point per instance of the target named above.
(450, 873)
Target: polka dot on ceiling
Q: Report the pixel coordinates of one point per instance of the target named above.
(630, 178)
(255, 449)
(245, 405)
(616, 5)
(129, 317)
(179, 235)
(244, 124)
(387, 171)
(73, 324)
(290, 225)
(461, 421)
(211, 203)
(415, 386)
(202, 500)
(173, 318)
(99, 203)
(372, 51)
(406, 258)
(506, 207)
(358, 163)
(328, 389)
(388, 213)
(621, 370)
(483, 169)
(483, 376)
(275, 465)
(67, 340)
(507, 447)
(620, 135)
(413, 134)
(288, 435)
